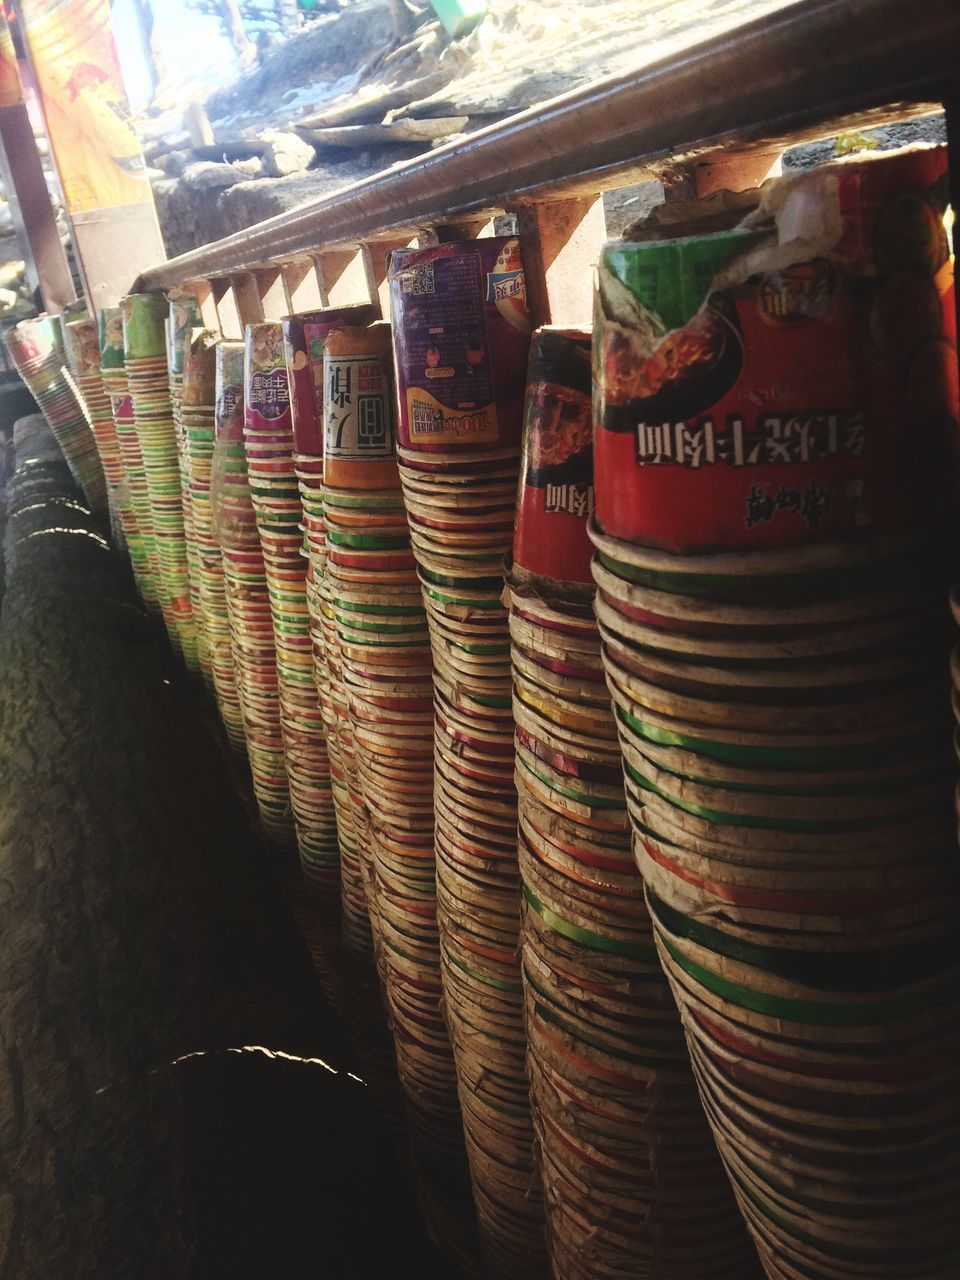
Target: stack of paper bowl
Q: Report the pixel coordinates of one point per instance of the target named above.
(198, 412)
(37, 350)
(461, 339)
(781, 694)
(632, 1181)
(248, 604)
(182, 320)
(372, 594)
(145, 363)
(131, 496)
(268, 443)
(304, 336)
(81, 340)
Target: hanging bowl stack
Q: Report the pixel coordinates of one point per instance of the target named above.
(37, 350)
(461, 335)
(632, 1182)
(198, 411)
(182, 319)
(132, 498)
(248, 603)
(81, 341)
(268, 443)
(775, 481)
(304, 339)
(145, 363)
(371, 595)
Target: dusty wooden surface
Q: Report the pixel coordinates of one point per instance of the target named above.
(142, 942)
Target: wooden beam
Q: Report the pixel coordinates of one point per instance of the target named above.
(21, 171)
(560, 242)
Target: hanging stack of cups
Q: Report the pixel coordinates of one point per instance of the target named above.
(304, 338)
(248, 602)
(776, 436)
(268, 443)
(182, 320)
(145, 363)
(372, 594)
(363, 973)
(632, 1180)
(36, 347)
(81, 341)
(461, 339)
(198, 413)
(132, 497)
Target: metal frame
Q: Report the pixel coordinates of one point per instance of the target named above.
(804, 71)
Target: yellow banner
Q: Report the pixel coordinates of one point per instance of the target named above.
(85, 104)
(10, 92)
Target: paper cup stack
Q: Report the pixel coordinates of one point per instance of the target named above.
(304, 337)
(461, 342)
(248, 603)
(81, 342)
(782, 705)
(131, 496)
(37, 350)
(198, 412)
(182, 320)
(145, 363)
(361, 616)
(632, 1181)
(372, 591)
(268, 442)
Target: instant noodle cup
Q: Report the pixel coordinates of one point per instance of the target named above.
(358, 409)
(461, 338)
(556, 470)
(304, 336)
(788, 384)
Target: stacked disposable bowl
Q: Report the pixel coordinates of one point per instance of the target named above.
(81, 342)
(145, 364)
(131, 496)
(183, 319)
(37, 350)
(198, 418)
(373, 667)
(632, 1181)
(268, 444)
(304, 338)
(248, 604)
(458, 465)
(782, 701)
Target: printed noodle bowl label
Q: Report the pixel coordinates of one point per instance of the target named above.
(357, 401)
(461, 333)
(556, 495)
(804, 401)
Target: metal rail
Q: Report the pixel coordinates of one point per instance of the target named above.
(802, 66)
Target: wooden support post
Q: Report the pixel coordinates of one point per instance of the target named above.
(462, 229)
(302, 283)
(343, 273)
(377, 256)
(560, 243)
(228, 312)
(96, 149)
(247, 300)
(736, 172)
(208, 307)
(21, 171)
(272, 292)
